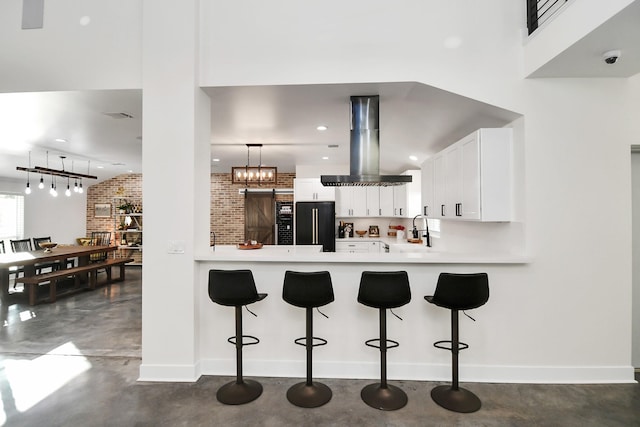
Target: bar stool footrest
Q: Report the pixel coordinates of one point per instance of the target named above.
(254, 340)
(393, 344)
(303, 341)
(440, 345)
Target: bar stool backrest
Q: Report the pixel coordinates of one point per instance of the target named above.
(384, 289)
(307, 289)
(38, 240)
(21, 245)
(233, 287)
(461, 291)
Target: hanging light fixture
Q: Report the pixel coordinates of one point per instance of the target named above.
(54, 172)
(67, 192)
(254, 174)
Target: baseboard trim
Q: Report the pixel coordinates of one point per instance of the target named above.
(169, 373)
(427, 372)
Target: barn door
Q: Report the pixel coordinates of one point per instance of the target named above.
(259, 217)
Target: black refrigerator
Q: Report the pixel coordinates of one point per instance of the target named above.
(315, 224)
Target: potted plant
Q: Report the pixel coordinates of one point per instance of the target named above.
(125, 207)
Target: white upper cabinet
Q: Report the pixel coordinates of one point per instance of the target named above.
(426, 188)
(393, 201)
(471, 179)
(373, 201)
(351, 201)
(312, 190)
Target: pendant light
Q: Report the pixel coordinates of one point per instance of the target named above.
(27, 190)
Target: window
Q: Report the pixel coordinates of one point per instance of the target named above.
(11, 217)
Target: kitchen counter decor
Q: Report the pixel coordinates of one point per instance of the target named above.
(249, 245)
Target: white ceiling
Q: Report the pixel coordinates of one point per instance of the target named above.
(415, 119)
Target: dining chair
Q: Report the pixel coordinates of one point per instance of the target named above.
(100, 238)
(21, 245)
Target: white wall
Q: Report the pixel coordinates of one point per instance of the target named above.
(63, 218)
(635, 168)
(66, 55)
(575, 138)
(569, 307)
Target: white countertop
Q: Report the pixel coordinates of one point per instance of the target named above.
(313, 254)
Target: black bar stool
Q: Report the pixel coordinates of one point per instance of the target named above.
(308, 290)
(458, 292)
(236, 288)
(383, 290)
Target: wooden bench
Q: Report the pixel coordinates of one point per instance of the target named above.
(32, 282)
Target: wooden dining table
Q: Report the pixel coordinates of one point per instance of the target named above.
(28, 261)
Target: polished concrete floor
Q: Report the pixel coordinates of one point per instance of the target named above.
(75, 363)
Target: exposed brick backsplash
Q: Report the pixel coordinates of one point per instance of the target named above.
(227, 205)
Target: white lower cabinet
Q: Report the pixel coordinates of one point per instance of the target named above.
(352, 246)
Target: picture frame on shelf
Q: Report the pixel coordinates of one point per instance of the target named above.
(102, 210)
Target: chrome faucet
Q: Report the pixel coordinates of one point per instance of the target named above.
(213, 235)
(415, 230)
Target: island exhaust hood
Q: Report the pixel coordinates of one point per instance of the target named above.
(365, 149)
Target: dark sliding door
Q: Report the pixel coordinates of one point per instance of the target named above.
(259, 217)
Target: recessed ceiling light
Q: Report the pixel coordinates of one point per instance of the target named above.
(100, 167)
(85, 20)
(60, 140)
(322, 127)
(412, 157)
(325, 158)
(130, 170)
(215, 160)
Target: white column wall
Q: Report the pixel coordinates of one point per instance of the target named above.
(175, 175)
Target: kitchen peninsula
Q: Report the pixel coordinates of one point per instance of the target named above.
(349, 323)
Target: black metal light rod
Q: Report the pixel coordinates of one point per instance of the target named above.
(56, 172)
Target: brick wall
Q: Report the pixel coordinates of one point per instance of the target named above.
(111, 191)
(227, 210)
(226, 214)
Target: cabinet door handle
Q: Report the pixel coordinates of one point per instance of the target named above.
(367, 211)
(401, 212)
(458, 209)
(442, 210)
(425, 210)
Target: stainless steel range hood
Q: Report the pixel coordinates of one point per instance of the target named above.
(365, 149)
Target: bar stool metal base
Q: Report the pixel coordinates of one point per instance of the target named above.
(387, 398)
(309, 396)
(460, 400)
(235, 393)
